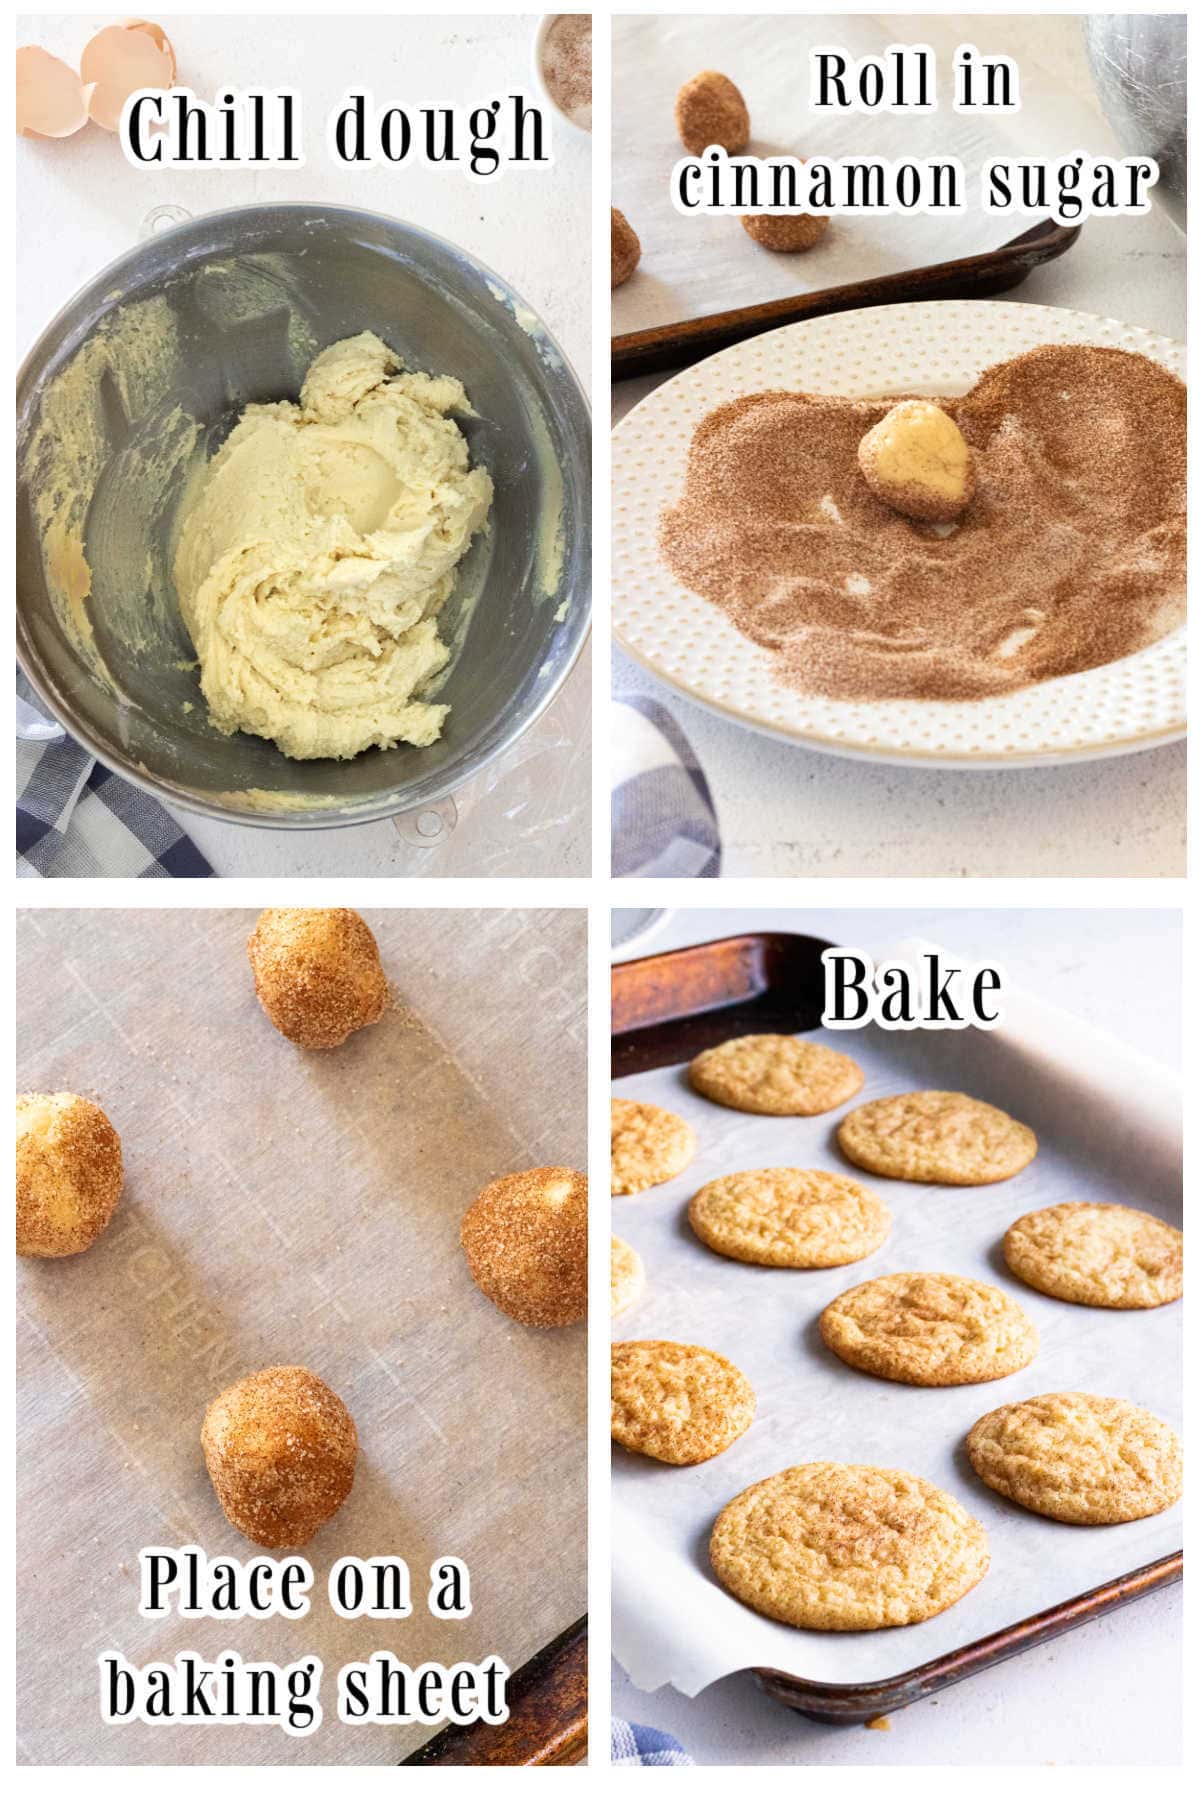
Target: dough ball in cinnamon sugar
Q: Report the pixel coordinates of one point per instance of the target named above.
(525, 1240)
(626, 248)
(68, 1174)
(710, 110)
(317, 973)
(787, 232)
(280, 1448)
(918, 461)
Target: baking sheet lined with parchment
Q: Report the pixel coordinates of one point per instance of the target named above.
(704, 263)
(1108, 1126)
(283, 1206)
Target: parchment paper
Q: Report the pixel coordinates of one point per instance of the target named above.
(284, 1206)
(706, 263)
(1108, 1128)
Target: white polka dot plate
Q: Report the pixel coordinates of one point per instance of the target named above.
(938, 347)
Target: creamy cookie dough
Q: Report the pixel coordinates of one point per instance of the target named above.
(318, 548)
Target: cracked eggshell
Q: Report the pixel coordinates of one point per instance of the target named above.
(51, 100)
(117, 62)
(156, 32)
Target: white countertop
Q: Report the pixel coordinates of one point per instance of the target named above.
(1109, 1693)
(789, 811)
(79, 205)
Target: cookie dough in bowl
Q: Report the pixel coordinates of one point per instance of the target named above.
(218, 540)
(318, 548)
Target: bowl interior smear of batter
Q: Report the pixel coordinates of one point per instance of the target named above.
(1070, 554)
(317, 548)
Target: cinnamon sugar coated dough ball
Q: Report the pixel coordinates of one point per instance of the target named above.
(788, 232)
(525, 1240)
(710, 110)
(317, 973)
(280, 1448)
(918, 462)
(626, 248)
(68, 1174)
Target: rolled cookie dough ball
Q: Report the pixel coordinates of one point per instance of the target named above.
(68, 1174)
(788, 232)
(280, 1448)
(317, 973)
(710, 110)
(626, 248)
(525, 1240)
(918, 461)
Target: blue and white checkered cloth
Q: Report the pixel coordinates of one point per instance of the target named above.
(663, 818)
(641, 1746)
(76, 818)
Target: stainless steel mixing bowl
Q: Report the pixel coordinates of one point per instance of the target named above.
(250, 292)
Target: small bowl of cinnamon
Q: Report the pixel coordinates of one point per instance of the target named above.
(562, 63)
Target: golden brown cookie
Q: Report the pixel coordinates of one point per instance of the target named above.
(785, 232)
(929, 1330)
(778, 1075)
(1080, 1458)
(317, 973)
(937, 1137)
(627, 1276)
(789, 1218)
(649, 1146)
(710, 110)
(847, 1547)
(678, 1403)
(69, 1174)
(1097, 1255)
(280, 1449)
(525, 1240)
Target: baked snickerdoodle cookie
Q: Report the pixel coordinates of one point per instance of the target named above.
(649, 1146)
(678, 1403)
(1097, 1255)
(1081, 1458)
(627, 1276)
(847, 1547)
(937, 1137)
(929, 1330)
(779, 1075)
(789, 1218)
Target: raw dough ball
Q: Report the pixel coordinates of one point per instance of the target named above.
(280, 1448)
(525, 1240)
(710, 110)
(918, 461)
(626, 248)
(786, 231)
(68, 1174)
(317, 973)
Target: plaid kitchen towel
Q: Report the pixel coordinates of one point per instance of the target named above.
(641, 1746)
(663, 818)
(76, 818)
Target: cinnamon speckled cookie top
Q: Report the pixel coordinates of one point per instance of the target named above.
(929, 1330)
(789, 1218)
(1081, 1458)
(679, 1403)
(772, 1074)
(649, 1146)
(1097, 1255)
(847, 1547)
(936, 1136)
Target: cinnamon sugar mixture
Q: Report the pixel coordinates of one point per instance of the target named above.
(1071, 554)
(567, 66)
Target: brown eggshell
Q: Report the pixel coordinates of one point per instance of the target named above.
(51, 100)
(118, 62)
